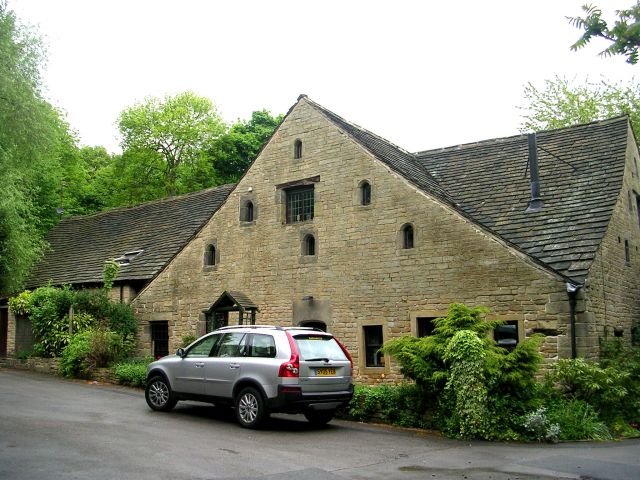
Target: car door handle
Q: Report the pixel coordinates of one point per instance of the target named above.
(234, 365)
(199, 364)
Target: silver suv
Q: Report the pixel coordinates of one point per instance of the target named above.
(257, 370)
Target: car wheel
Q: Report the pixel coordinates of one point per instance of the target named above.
(319, 417)
(159, 395)
(250, 409)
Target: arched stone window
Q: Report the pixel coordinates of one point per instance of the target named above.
(210, 256)
(309, 245)
(407, 236)
(319, 324)
(365, 193)
(249, 207)
(297, 149)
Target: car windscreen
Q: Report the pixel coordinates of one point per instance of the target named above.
(318, 347)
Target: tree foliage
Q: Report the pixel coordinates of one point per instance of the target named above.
(170, 135)
(562, 103)
(35, 143)
(624, 35)
(234, 151)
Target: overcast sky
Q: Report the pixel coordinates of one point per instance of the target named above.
(421, 74)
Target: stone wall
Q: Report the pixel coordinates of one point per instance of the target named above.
(613, 286)
(360, 274)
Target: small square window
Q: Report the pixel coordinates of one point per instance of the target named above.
(425, 326)
(372, 344)
(300, 203)
(506, 335)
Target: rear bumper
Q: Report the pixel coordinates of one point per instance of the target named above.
(291, 400)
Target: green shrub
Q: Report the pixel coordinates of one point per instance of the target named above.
(538, 426)
(507, 377)
(74, 362)
(24, 353)
(90, 349)
(577, 421)
(404, 404)
(602, 388)
(132, 371)
(48, 311)
(466, 389)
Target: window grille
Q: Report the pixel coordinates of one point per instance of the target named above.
(300, 205)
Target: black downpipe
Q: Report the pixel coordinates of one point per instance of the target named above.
(572, 291)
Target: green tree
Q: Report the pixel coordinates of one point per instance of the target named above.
(234, 151)
(170, 135)
(624, 35)
(562, 103)
(34, 141)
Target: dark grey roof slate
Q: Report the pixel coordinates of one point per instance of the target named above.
(395, 157)
(579, 186)
(81, 245)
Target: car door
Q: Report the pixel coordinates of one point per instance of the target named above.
(190, 371)
(224, 366)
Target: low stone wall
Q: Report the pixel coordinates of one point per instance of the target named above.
(51, 367)
(36, 364)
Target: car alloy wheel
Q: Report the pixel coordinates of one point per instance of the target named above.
(249, 408)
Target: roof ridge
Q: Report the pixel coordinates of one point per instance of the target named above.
(411, 159)
(493, 141)
(355, 125)
(157, 201)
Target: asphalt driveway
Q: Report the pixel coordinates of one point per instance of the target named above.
(51, 428)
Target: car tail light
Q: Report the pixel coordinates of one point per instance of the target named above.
(292, 367)
(346, 352)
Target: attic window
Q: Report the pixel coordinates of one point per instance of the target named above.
(128, 257)
(297, 149)
(407, 236)
(365, 193)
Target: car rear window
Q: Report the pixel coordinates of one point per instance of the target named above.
(318, 347)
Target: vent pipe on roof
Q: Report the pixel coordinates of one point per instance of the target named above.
(536, 202)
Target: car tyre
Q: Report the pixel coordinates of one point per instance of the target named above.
(250, 408)
(319, 417)
(159, 395)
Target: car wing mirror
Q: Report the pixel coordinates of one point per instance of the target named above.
(180, 352)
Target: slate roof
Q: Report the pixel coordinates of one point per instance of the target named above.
(581, 171)
(81, 245)
(399, 160)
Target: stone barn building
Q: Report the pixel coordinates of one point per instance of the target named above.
(335, 227)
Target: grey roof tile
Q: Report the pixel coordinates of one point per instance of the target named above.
(81, 245)
(581, 172)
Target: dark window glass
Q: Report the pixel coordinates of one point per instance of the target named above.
(425, 326)
(232, 345)
(249, 212)
(506, 335)
(638, 207)
(160, 339)
(407, 237)
(297, 149)
(320, 325)
(365, 193)
(309, 245)
(263, 346)
(204, 347)
(210, 256)
(299, 204)
(372, 345)
(627, 255)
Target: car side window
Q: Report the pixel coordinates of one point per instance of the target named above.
(204, 347)
(232, 345)
(263, 346)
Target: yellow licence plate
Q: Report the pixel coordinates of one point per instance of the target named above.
(325, 372)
